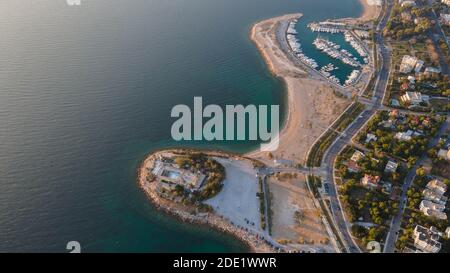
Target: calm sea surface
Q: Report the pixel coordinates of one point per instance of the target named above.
(86, 93)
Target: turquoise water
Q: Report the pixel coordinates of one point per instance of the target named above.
(86, 93)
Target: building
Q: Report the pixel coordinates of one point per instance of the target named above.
(414, 98)
(404, 136)
(353, 167)
(407, 3)
(433, 196)
(434, 213)
(432, 209)
(444, 154)
(447, 2)
(432, 70)
(419, 65)
(386, 188)
(445, 19)
(391, 167)
(169, 175)
(406, 16)
(357, 155)
(370, 137)
(426, 240)
(437, 186)
(408, 64)
(370, 181)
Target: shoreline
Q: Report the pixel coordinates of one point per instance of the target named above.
(311, 103)
(185, 213)
(369, 12)
(303, 106)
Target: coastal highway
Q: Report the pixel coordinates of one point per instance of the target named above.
(329, 158)
(392, 235)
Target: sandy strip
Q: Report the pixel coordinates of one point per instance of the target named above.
(187, 213)
(312, 105)
(369, 11)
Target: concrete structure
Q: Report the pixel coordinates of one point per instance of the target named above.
(404, 136)
(391, 167)
(433, 209)
(370, 181)
(419, 65)
(414, 98)
(408, 64)
(357, 155)
(444, 154)
(432, 196)
(437, 186)
(426, 240)
(370, 137)
(432, 70)
(407, 3)
(445, 18)
(169, 175)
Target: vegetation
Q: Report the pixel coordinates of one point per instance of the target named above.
(406, 22)
(425, 127)
(214, 171)
(318, 149)
(262, 204)
(413, 216)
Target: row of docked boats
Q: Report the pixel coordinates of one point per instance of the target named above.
(296, 47)
(353, 77)
(333, 50)
(320, 27)
(349, 38)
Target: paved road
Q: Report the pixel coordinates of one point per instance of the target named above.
(391, 238)
(341, 223)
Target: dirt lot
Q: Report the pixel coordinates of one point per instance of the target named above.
(295, 218)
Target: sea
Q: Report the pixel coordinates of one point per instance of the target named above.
(86, 93)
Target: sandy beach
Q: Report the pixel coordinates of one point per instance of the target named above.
(312, 104)
(188, 213)
(369, 11)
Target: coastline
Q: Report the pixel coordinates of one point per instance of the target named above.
(369, 11)
(187, 214)
(311, 103)
(308, 99)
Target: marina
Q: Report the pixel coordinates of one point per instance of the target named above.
(346, 47)
(333, 50)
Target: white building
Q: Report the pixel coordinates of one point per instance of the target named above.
(444, 154)
(404, 136)
(414, 98)
(407, 3)
(357, 155)
(433, 196)
(370, 137)
(437, 186)
(445, 18)
(391, 167)
(419, 65)
(370, 181)
(432, 70)
(426, 240)
(408, 64)
(432, 209)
